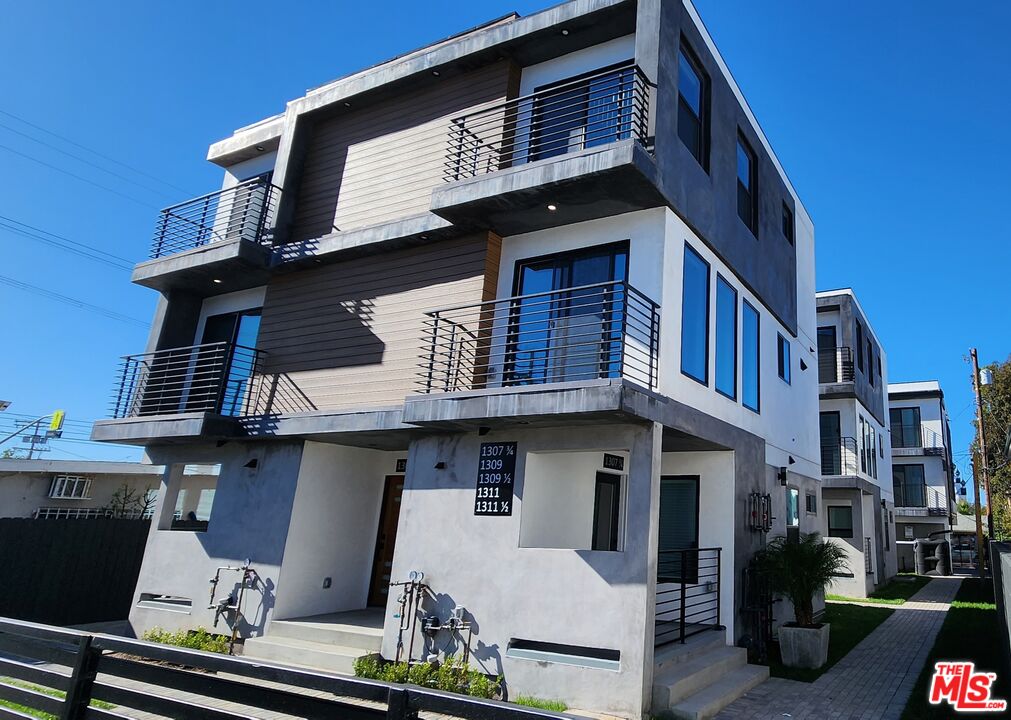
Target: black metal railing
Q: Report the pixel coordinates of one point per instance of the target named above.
(905, 436)
(835, 365)
(242, 212)
(868, 563)
(928, 500)
(581, 113)
(839, 457)
(214, 378)
(606, 330)
(687, 593)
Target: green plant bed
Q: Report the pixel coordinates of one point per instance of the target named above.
(541, 704)
(451, 675)
(850, 624)
(895, 592)
(198, 639)
(32, 712)
(968, 633)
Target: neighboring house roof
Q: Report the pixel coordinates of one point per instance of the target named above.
(90, 467)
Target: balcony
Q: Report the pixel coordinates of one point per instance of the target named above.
(215, 243)
(606, 330)
(839, 459)
(912, 440)
(192, 392)
(920, 501)
(581, 148)
(835, 365)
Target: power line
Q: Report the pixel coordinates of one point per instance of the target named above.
(69, 154)
(111, 314)
(78, 177)
(95, 152)
(64, 243)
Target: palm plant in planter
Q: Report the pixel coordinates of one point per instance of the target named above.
(799, 570)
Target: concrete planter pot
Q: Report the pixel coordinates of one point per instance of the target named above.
(804, 647)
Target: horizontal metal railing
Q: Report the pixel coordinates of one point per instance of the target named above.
(835, 365)
(927, 438)
(242, 212)
(584, 112)
(928, 500)
(839, 458)
(687, 593)
(605, 330)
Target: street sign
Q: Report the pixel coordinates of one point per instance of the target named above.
(38, 439)
(56, 424)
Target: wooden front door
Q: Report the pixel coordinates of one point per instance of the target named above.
(386, 539)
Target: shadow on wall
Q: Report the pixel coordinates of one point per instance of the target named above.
(448, 642)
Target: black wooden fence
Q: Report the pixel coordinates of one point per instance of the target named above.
(188, 684)
(69, 572)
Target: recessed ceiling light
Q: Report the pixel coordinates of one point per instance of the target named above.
(347, 104)
(423, 237)
(436, 73)
(565, 32)
(552, 208)
(260, 148)
(217, 281)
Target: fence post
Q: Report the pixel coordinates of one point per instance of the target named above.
(81, 680)
(398, 705)
(684, 558)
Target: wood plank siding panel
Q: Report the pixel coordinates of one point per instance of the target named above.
(349, 335)
(379, 163)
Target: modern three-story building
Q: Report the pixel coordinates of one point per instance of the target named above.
(525, 320)
(855, 446)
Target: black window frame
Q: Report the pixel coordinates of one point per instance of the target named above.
(784, 359)
(614, 539)
(752, 190)
(870, 362)
(757, 409)
(811, 503)
(716, 345)
(898, 438)
(686, 53)
(709, 273)
(836, 531)
(899, 490)
(788, 223)
(859, 345)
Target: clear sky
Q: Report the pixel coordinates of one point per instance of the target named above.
(890, 119)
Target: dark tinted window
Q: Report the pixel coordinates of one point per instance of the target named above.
(909, 486)
(695, 317)
(692, 112)
(840, 522)
(726, 338)
(750, 357)
(860, 345)
(904, 424)
(746, 206)
(783, 358)
(788, 223)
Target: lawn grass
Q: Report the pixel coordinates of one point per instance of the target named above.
(45, 691)
(895, 592)
(541, 704)
(850, 624)
(968, 633)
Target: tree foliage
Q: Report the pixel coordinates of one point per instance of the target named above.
(997, 421)
(801, 569)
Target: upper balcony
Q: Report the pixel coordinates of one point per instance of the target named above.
(215, 243)
(921, 501)
(911, 439)
(835, 365)
(575, 151)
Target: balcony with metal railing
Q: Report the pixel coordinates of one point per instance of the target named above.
(921, 501)
(215, 243)
(835, 365)
(839, 458)
(913, 440)
(569, 152)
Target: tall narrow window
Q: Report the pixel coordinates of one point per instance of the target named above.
(695, 318)
(905, 427)
(726, 338)
(747, 206)
(606, 504)
(750, 358)
(792, 514)
(870, 363)
(860, 345)
(909, 486)
(783, 357)
(693, 94)
(788, 223)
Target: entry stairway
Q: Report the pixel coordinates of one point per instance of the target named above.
(323, 642)
(697, 679)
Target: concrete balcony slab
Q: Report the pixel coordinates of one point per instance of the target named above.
(238, 264)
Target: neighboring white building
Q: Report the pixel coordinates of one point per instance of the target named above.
(855, 448)
(56, 489)
(613, 397)
(922, 468)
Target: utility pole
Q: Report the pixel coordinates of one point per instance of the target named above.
(982, 467)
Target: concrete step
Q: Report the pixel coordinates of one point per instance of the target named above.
(291, 651)
(681, 680)
(675, 652)
(369, 639)
(710, 700)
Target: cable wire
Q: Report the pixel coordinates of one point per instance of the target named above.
(64, 243)
(111, 314)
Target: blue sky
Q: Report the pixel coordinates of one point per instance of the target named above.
(889, 118)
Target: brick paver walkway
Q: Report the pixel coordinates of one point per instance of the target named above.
(872, 682)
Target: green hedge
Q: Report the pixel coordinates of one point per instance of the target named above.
(198, 639)
(451, 675)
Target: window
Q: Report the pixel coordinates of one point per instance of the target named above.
(783, 357)
(726, 338)
(747, 206)
(788, 223)
(70, 487)
(881, 446)
(750, 358)
(831, 443)
(793, 514)
(872, 456)
(840, 521)
(870, 363)
(189, 498)
(811, 502)
(606, 502)
(695, 318)
(828, 371)
(888, 541)
(860, 344)
(862, 440)
(693, 100)
(905, 426)
(909, 486)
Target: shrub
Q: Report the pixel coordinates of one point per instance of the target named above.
(534, 702)
(452, 675)
(199, 639)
